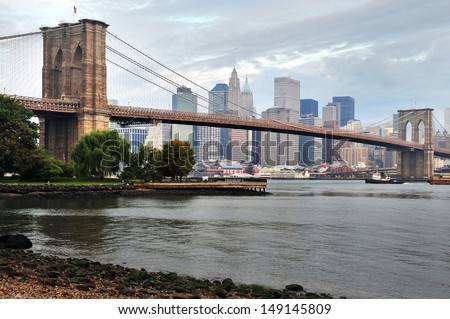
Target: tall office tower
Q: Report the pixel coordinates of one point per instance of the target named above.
(207, 144)
(447, 119)
(234, 93)
(238, 138)
(279, 148)
(330, 115)
(184, 101)
(308, 107)
(158, 135)
(247, 101)
(218, 99)
(134, 134)
(310, 148)
(287, 93)
(211, 142)
(347, 111)
(395, 122)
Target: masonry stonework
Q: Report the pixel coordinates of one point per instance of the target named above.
(74, 69)
(416, 165)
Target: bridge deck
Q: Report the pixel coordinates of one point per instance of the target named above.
(134, 114)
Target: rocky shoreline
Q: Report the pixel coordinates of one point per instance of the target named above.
(25, 274)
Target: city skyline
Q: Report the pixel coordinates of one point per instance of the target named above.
(388, 56)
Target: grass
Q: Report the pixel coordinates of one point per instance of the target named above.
(67, 181)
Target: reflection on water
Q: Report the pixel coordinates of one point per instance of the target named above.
(345, 238)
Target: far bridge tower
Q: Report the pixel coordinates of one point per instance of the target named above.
(416, 165)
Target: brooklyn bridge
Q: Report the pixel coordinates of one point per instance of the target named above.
(74, 102)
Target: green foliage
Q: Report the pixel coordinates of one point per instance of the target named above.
(177, 159)
(133, 170)
(100, 153)
(151, 163)
(18, 135)
(41, 166)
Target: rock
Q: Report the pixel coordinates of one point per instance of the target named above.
(18, 241)
(294, 287)
(228, 284)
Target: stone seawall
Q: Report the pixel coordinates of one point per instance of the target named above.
(53, 188)
(8, 190)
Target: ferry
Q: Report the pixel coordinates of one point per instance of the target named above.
(440, 180)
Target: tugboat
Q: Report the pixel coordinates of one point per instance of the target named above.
(381, 178)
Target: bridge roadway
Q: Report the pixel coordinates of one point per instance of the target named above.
(137, 114)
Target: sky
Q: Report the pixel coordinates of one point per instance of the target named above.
(388, 55)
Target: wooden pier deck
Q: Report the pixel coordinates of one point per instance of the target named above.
(256, 186)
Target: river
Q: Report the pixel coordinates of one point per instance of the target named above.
(346, 238)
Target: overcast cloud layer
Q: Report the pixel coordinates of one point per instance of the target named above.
(388, 55)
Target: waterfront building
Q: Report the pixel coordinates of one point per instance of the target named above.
(355, 156)
(347, 108)
(308, 107)
(184, 101)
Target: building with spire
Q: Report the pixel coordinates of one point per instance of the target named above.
(247, 100)
(234, 93)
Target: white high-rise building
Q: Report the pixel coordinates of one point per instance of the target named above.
(158, 135)
(287, 93)
(331, 115)
(447, 119)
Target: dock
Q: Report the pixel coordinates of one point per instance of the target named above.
(254, 186)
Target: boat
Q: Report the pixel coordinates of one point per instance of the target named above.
(381, 178)
(440, 180)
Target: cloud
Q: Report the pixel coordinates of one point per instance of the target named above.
(386, 54)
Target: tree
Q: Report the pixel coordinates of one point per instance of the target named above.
(41, 166)
(100, 153)
(177, 159)
(151, 163)
(18, 134)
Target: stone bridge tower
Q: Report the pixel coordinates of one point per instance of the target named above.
(74, 69)
(415, 165)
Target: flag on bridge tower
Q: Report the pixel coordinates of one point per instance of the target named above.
(74, 10)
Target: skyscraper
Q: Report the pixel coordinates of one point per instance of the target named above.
(347, 111)
(310, 148)
(184, 101)
(234, 93)
(278, 148)
(331, 115)
(218, 99)
(447, 119)
(247, 101)
(308, 107)
(287, 93)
